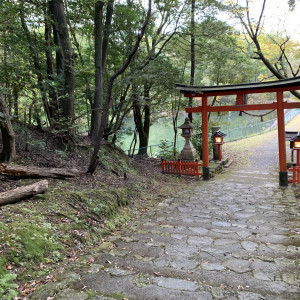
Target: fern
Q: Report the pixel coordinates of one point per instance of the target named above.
(7, 286)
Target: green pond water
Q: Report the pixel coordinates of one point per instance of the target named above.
(162, 128)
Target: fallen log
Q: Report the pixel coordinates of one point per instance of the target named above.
(35, 172)
(23, 192)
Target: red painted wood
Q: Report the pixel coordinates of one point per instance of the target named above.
(268, 106)
(239, 99)
(281, 132)
(181, 168)
(205, 148)
(296, 174)
(291, 105)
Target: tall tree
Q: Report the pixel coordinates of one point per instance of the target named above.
(107, 106)
(192, 74)
(8, 152)
(65, 55)
(282, 68)
(101, 38)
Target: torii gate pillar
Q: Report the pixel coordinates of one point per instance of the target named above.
(283, 174)
(205, 148)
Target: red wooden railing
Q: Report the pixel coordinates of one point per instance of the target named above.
(181, 167)
(296, 174)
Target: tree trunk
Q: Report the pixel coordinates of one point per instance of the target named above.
(101, 44)
(63, 42)
(192, 75)
(98, 98)
(142, 126)
(107, 106)
(8, 137)
(53, 103)
(23, 192)
(37, 65)
(35, 172)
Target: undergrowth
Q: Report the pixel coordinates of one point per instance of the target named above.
(44, 233)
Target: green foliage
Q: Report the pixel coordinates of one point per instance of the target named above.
(167, 151)
(27, 242)
(7, 285)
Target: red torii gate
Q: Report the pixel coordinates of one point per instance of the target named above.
(240, 90)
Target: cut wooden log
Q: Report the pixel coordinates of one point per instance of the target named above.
(23, 192)
(35, 172)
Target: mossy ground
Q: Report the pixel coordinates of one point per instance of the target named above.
(41, 235)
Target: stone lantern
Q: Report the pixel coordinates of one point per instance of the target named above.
(188, 152)
(295, 146)
(218, 138)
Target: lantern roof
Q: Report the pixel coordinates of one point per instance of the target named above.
(219, 133)
(296, 137)
(187, 124)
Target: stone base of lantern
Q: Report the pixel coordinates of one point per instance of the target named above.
(188, 154)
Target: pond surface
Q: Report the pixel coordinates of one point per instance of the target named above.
(162, 128)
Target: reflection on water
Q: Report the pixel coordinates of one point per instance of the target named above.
(162, 128)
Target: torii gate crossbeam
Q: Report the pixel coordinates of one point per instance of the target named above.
(279, 87)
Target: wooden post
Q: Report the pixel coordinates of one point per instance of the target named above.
(220, 152)
(283, 174)
(205, 149)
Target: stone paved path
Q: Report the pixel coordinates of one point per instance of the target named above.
(234, 237)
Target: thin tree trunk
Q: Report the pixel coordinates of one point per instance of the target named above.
(192, 75)
(53, 105)
(8, 152)
(98, 98)
(37, 65)
(101, 45)
(143, 127)
(63, 42)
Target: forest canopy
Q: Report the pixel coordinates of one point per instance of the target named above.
(72, 66)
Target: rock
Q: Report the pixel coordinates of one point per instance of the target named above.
(221, 224)
(176, 284)
(118, 272)
(199, 230)
(249, 246)
(238, 265)
(218, 293)
(105, 247)
(212, 267)
(250, 296)
(68, 294)
(289, 278)
(260, 275)
(183, 264)
(199, 241)
(283, 261)
(141, 280)
(223, 242)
